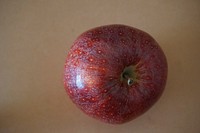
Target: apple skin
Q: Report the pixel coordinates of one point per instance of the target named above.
(95, 77)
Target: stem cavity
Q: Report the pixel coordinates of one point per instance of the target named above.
(128, 75)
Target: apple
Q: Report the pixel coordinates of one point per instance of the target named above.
(115, 73)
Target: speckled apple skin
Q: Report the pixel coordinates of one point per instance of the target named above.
(95, 62)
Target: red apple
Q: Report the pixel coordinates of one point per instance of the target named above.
(115, 73)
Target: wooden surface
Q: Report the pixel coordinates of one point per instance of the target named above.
(35, 36)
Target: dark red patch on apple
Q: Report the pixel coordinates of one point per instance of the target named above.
(94, 67)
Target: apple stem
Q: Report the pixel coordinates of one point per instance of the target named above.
(129, 80)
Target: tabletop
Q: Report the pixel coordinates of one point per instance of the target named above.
(36, 35)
